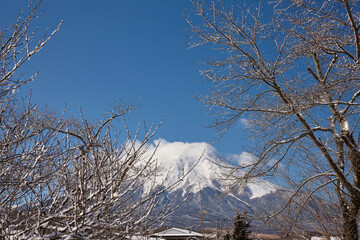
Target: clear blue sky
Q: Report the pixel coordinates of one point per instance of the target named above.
(123, 50)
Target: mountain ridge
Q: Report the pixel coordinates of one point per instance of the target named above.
(193, 163)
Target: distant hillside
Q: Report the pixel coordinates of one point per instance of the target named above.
(256, 197)
(176, 159)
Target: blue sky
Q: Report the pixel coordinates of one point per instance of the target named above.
(124, 50)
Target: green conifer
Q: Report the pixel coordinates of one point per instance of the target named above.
(241, 227)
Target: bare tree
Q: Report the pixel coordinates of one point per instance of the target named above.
(295, 77)
(69, 178)
(88, 183)
(24, 144)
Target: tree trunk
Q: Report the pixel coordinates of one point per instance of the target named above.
(350, 227)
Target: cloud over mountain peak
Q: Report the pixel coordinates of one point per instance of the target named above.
(194, 163)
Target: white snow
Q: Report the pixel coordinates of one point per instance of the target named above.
(178, 158)
(176, 232)
(260, 188)
(323, 238)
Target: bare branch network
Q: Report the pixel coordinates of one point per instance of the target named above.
(68, 178)
(294, 75)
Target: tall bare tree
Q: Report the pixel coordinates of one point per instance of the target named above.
(68, 178)
(24, 144)
(294, 74)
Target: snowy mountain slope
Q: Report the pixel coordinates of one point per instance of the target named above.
(176, 159)
(204, 188)
(191, 162)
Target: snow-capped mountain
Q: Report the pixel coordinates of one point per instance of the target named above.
(201, 182)
(194, 164)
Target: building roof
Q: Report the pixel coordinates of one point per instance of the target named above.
(323, 238)
(139, 237)
(177, 232)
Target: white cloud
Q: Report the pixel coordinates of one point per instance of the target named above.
(244, 123)
(178, 158)
(244, 158)
(169, 153)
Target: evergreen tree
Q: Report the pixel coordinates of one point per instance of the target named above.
(227, 236)
(241, 227)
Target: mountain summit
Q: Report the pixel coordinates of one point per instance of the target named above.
(194, 163)
(203, 185)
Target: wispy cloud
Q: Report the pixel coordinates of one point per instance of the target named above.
(244, 123)
(170, 152)
(243, 159)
